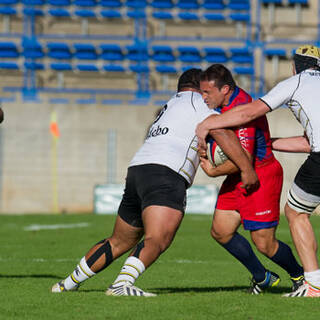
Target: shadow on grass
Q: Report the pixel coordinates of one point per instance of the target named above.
(37, 276)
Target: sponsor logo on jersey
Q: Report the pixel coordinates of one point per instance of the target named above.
(263, 213)
(158, 131)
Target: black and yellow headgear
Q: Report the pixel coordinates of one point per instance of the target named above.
(306, 57)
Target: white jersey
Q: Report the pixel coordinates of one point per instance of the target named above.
(301, 93)
(171, 140)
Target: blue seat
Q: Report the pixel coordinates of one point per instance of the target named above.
(136, 14)
(87, 67)
(215, 55)
(32, 49)
(189, 54)
(8, 50)
(111, 52)
(244, 71)
(162, 4)
(111, 14)
(9, 65)
(163, 68)
(136, 4)
(241, 55)
(34, 66)
(58, 50)
(61, 66)
(239, 4)
(34, 2)
(277, 2)
(242, 17)
(139, 68)
(279, 52)
(111, 3)
(302, 2)
(163, 54)
(30, 11)
(213, 5)
(137, 52)
(188, 4)
(60, 3)
(162, 15)
(114, 68)
(9, 11)
(59, 12)
(85, 51)
(84, 13)
(213, 16)
(85, 3)
(8, 2)
(189, 16)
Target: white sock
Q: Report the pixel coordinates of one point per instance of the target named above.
(313, 277)
(81, 273)
(131, 270)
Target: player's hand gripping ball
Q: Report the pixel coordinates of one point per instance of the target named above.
(214, 153)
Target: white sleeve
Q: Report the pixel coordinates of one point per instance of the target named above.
(281, 93)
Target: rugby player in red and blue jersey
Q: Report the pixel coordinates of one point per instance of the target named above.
(258, 211)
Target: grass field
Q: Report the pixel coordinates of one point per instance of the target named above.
(194, 279)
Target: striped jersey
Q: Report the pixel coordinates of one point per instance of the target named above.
(171, 139)
(301, 93)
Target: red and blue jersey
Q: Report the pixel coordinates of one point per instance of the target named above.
(255, 135)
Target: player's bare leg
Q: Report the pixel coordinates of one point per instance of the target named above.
(161, 224)
(101, 255)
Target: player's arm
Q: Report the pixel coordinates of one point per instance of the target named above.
(291, 144)
(230, 145)
(232, 118)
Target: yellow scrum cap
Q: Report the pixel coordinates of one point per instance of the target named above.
(308, 51)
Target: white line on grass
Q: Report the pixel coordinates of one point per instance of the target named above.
(37, 227)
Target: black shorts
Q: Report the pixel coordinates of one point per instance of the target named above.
(308, 176)
(151, 184)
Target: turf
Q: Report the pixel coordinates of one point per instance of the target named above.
(194, 279)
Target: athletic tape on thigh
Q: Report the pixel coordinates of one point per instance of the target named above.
(298, 204)
(140, 246)
(104, 249)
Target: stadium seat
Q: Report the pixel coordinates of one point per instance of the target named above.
(31, 11)
(59, 13)
(278, 2)
(114, 68)
(240, 17)
(188, 4)
(8, 50)
(59, 3)
(163, 68)
(136, 4)
(239, 5)
(85, 51)
(85, 3)
(213, 5)
(213, 16)
(162, 15)
(110, 14)
(137, 52)
(34, 65)
(241, 55)
(111, 52)
(8, 11)
(162, 54)
(302, 2)
(34, 2)
(189, 54)
(139, 68)
(136, 14)
(162, 4)
(189, 16)
(111, 3)
(84, 13)
(58, 50)
(9, 65)
(215, 55)
(61, 66)
(87, 67)
(243, 70)
(32, 49)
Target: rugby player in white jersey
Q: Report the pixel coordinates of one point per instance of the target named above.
(154, 199)
(302, 95)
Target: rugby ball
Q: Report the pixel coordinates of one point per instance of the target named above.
(214, 153)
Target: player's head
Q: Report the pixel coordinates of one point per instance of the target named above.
(190, 79)
(216, 84)
(306, 57)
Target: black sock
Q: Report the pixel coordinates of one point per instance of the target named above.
(240, 248)
(286, 260)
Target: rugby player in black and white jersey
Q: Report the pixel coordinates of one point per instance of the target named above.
(302, 95)
(154, 199)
